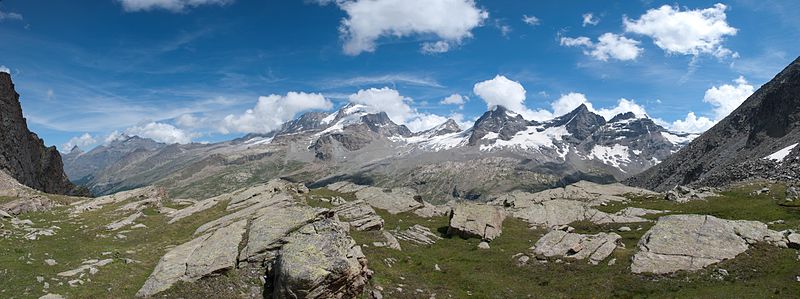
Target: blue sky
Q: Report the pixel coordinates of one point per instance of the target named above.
(181, 71)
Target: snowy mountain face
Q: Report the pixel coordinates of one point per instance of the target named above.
(626, 144)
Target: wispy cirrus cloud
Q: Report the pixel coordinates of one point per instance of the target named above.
(387, 79)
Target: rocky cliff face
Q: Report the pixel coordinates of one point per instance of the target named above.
(22, 154)
(757, 140)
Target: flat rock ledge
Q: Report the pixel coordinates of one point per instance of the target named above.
(559, 243)
(476, 220)
(692, 242)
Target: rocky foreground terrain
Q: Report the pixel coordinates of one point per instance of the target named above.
(282, 240)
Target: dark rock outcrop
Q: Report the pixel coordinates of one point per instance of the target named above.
(735, 148)
(23, 154)
(501, 121)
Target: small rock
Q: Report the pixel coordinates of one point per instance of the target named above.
(139, 225)
(4, 214)
(612, 262)
(50, 262)
(375, 294)
(483, 245)
(39, 279)
(436, 267)
(624, 229)
(722, 272)
(52, 296)
(523, 260)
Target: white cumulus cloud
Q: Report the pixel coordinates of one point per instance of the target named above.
(81, 141)
(727, 97)
(568, 102)
(698, 31)
(589, 19)
(160, 132)
(608, 46)
(724, 99)
(692, 124)
(455, 99)
(4, 69)
(169, 5)
(501, 91)
(387, 100)
(273, 110)
(451, 21)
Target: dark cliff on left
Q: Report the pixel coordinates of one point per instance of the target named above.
(23, 154)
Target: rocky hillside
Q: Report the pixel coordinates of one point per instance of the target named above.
(83, 167)
(757, 140)
(22, 154)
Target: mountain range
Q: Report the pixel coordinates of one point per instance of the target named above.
(361, 144)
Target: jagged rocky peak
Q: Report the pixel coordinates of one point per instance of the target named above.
(22, 154)
(580, 122)
(499, 120)
(754, 141)
(309, 121)
(76, 150)
(381, 123)
(622, 117)
(448, 127)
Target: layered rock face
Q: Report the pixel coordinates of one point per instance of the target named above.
(757, 140)
(22, 154)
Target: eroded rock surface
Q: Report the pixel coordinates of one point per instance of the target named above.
(595, 247)
(692, 242)
(561, 212)
(592, 193)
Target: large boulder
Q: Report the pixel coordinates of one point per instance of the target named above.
(560, 212)
(202, 256)
(558, 243)
(692, 242)
(319, 261)
(476, 220)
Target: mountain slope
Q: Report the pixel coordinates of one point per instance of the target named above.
(767, 124)
(23, 154)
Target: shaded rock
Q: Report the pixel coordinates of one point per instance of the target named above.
(319, 261)
(359, 215)
(578, 246)
(692, 242)
(793, 240)
(475, 220)
(418, 234)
